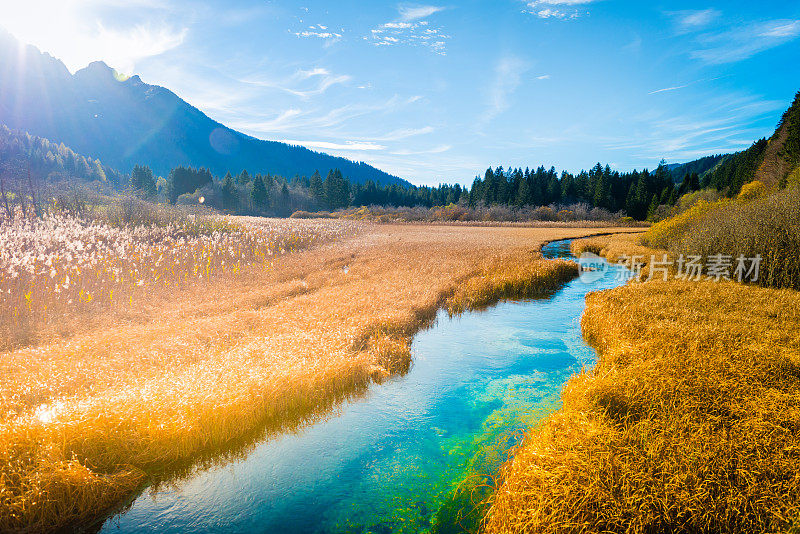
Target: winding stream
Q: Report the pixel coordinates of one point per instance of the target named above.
(409, 457)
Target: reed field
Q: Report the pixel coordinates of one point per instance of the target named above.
(60, 271)
(689, 421)
(196, 374)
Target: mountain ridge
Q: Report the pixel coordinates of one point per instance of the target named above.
(124, 121)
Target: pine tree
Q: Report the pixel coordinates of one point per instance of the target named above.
(243, 178)
(651, 210)
(316, 187)
(337, 190)
(229, 192)
(143, 181)
(285, 197)
(259, 195)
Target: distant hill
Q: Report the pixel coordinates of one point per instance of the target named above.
(22, 153)
(124, 122)
(699, 166)
(774, 161)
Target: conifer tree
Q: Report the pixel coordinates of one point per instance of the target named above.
(316, 187)
(259, 195)
(143, 181)
(229, 192)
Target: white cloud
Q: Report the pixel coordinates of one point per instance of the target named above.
(123, 49)
(314, 120)
(666, 89)
(411, 28)
(543, 77)
(789, 29)
(409, 13)
(404, 133)
(299, 84)
(563, 2)
(557, 9)
(683, 137)
(693, 19)
(742, 42)
(79, 32)
(314, 32)
(435, 150)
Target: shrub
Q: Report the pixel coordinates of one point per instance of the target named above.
(661, 234)
(751, 191)
(768, 226)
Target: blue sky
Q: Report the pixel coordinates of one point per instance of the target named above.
(436, 92)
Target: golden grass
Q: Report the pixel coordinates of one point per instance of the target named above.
(613, 247)
(85, 421)
(688, 423)
(663, 232)
(758, 224)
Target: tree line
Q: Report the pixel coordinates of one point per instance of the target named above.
(638, 194)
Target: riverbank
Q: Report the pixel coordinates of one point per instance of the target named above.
(688, 423)
(206, 377)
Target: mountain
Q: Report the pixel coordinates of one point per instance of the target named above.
(699, 166)
(124, 122)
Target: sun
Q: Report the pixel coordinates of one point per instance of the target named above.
(79, 31)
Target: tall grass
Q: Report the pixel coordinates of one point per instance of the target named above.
(85, 421)
(768, 226)
(60, 264)
(765, 225)
(688, 423)
(663, 233)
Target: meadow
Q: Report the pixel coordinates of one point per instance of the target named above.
(689, 421)
(60, 270)
(244, 328)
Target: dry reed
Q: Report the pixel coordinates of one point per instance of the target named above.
(85, 421)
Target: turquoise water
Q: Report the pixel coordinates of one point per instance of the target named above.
(414, 454)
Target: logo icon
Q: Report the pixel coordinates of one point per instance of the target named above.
(592, 268)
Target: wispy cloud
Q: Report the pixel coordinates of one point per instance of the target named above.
(403, 133)
(543, 77)
(666, 89)
(557, 9)
(681, 137)
(326, 145)
(411, 13)
(435, 150)
(507, 78)
(124, 48)
(79, 32)
(304, 83)
(693, 19)
(742, 42)
(313, 120)
(411, 28)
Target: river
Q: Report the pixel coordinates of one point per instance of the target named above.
(415, 454)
